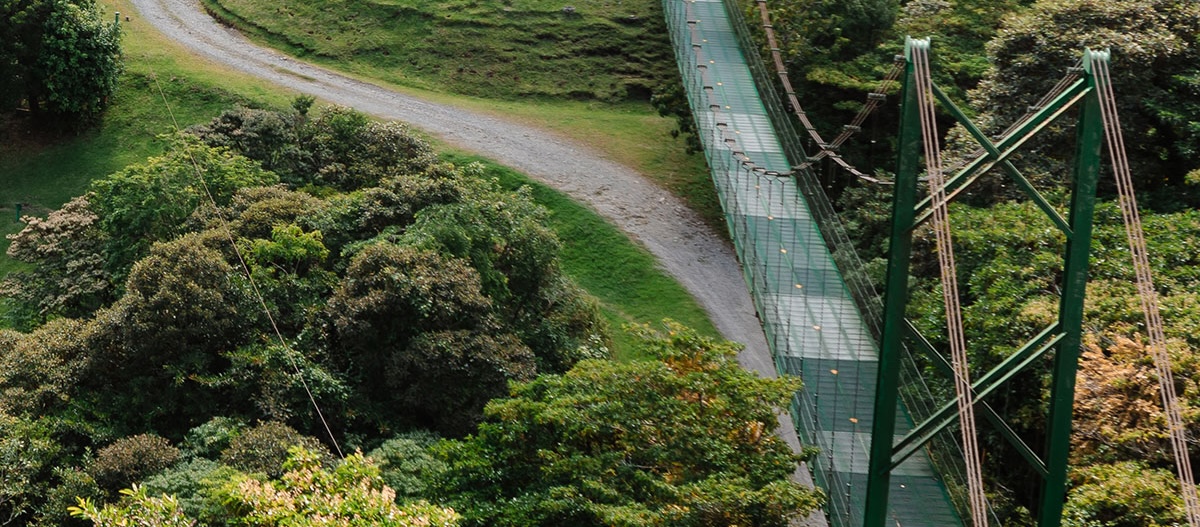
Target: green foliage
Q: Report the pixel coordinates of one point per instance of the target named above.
(478, 366)
(155, 351)
(407, 464)
(130, 460)
(353, 494)
(1154, 68)
(59, 57)
(264, 448)
(80, 60)
(150, 202)
(73, 483)
(305, 495)
(340, 148)
(137, 507)
(27, 454)
(211, 438)
(199, 486)
(39, 371)
(682, 440)
(1127, 494)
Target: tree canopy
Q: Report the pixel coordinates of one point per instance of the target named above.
(686, 439)
(59, 58)
(406, 294)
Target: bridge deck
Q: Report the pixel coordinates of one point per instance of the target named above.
(811, 322)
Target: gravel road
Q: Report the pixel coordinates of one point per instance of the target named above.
(685, 247)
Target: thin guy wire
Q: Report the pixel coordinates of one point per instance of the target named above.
(945, 250)
(1147, 293)
(250, 278)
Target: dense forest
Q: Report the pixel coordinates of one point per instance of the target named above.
(997, 58)
(218, 334)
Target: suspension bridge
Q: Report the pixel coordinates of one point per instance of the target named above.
(888, 454)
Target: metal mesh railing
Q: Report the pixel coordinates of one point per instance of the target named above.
(787, 236)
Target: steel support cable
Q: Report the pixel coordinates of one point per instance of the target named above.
(253, 285)
(828, 149)
(1145, 285)
(945, 250)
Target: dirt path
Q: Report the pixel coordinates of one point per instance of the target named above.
(686, 248)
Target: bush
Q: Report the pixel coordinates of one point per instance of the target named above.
(130, 460)
(264, 448)
(74, 483)
(211, 438)
(407, 465)
(197, 485)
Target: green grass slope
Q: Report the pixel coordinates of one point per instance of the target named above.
(587, 49)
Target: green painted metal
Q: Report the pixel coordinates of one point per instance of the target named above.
(895, 298)
(1063, 338)
(1089, 137)
(982, 387)
(1009, 145)
(990, 413)
(1007, 165)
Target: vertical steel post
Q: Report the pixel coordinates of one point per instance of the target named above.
(895, 297)
(1089, 138)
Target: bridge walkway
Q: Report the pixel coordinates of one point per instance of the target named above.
(811, 322)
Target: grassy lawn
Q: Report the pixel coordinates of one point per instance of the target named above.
(499, 49)
(44, 174)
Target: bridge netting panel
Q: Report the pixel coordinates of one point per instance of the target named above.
(811, 321)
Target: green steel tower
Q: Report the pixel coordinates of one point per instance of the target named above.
(1062, 338)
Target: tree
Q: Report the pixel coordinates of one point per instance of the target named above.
(340, 148)
(27, 453)
(59, 56)
(411, 327)
(156, 352)
(1127, 494)
(68, 277)
(40, 371)
(682, 440)
(1155, 66)
(150, 202)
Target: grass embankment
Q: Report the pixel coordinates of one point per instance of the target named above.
(585, 74)
(42, 175)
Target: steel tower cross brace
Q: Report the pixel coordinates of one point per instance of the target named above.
(1062, 338)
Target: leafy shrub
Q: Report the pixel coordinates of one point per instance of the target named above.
(74, 483)
(406, 463)
(350, 494)
(130, 460)
(445, 378)
(211, 438)
(1127, 494)
(197, 485)
(264, 448)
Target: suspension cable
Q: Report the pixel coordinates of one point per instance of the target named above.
(253, 285)
(1145, 285)
(828, 149)
(945, 250)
